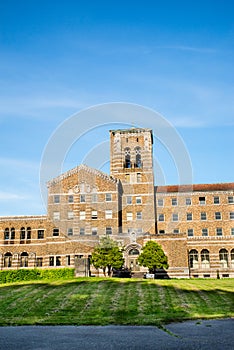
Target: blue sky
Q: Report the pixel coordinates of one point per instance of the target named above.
(59, 57)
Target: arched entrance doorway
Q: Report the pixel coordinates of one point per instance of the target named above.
(132, 254)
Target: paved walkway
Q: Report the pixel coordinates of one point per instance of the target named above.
(204, 335)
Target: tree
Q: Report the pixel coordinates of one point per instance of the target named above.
(107, 255)
(153, 257)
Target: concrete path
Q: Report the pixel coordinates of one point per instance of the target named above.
(205, 335)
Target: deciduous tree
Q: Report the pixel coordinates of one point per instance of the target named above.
(153, 257)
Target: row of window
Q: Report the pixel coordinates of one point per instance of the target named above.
(23, 261)
(83, 198)
(82, 215)
(82, 231)
(25, 233)
(137, 163)
(129, 200)
(204, 231)
(203, 216)
(188, 201)
(224, 258)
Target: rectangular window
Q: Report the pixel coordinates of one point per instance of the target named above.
(203, 216)
(94, 198)
(230, 199)
(82, 231)
(202, 200)
(94, 215)
(138, 177)
(82, 198)
(40, 234)
(68, 260)
(205, 232)
(174, 201)
(218, 215)
(219, 231)
(130, 229)
(56, 232)
(139, 230)
(216, 200)
(160, 202)
(108, 197)
(70, 215)
(70, 198)
(161, 217)
(58, 260)
(139, 215)
(176, 230)
(51, 260)
(190, 232)
(82, 215)
(108, 214)
(108, 230)
(231, 215)
(188, 201)
(70, 231)
(56, 215)
(232, 231)
(127, 178)
(138, 200)
(56, 198)
(94, 231)
(189, 216)
(129, 199)
(161, 232)
(39, 262)
(129, 216)
(175, 217)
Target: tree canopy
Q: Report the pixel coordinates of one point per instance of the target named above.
(107, 255)
(153, 257)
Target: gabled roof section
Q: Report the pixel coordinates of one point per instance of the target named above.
(76, 170)
(229, 186)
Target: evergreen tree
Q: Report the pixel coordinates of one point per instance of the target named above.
(153, 257)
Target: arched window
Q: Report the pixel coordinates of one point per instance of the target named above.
(12, 233)
(127, 155)
(223, 258)
(134, 251)
(8, 260)
(205, 259)
(138, 163)
(24, 259)
(29, 232)
(193, 259)
(22, 233)
(232, 258)
(6, 233)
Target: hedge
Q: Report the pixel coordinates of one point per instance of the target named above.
(35, 274)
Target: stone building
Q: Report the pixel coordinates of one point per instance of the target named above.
(193, 223)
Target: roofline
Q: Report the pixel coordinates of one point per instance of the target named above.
(196, 187)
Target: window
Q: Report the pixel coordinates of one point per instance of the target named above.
(40, 234)
(7, 260)
(129, 199)
(24, 259)
(174, 201)
(94, 215)
(56, 232)
(82, 231)
(203, 216)
(139, 230)
(218, 215)
(161, 217)
(232, 231)
(56, 198)
(230, 199)
(58, 260)
(216, 200)
(108, 214)
(51, 261)
(205, 232)
(160, 202)
(127, 155)
(138, 200)
(219, 231)
(193, 258)
(190, 232)
(127, 178)
(138, 163)
(231, 215)
(161, 232)
(70, 198)
(28, 233)
(223, 258)
(130, 230)
(56, 215)
(108, 230)
(94, 198)
(188, 201)
(70, 215)
(13, 233)
(94, 231)
(70, 231)
(82, 215)
(108, 197)
(22, 233)
(139, 215)
(202, 200)
(175, 217)
(205, 259)
(82, 198)
(232, 257)
(68, 260)
(189, 216)
(39, 262)
(6, 233)
(133, 251)
(176, 231)
(129, 216)
(138, 177)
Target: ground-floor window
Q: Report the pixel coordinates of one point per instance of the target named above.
(205, 259)
(223, 258)
(193, 258)
(7, 260)
(24, 260)
(39, 262)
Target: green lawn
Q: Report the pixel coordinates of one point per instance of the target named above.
(102, 301)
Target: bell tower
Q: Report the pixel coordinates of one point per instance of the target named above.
(132, 163)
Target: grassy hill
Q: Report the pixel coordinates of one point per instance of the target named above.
(102, 301)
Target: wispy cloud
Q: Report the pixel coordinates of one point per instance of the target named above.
(188, 48)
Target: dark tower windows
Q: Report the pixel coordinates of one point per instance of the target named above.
(127, 154)
(138, 163)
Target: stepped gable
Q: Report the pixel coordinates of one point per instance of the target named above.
(195, 188)
(76, 170)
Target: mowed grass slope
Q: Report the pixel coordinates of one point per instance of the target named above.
(102, 301)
